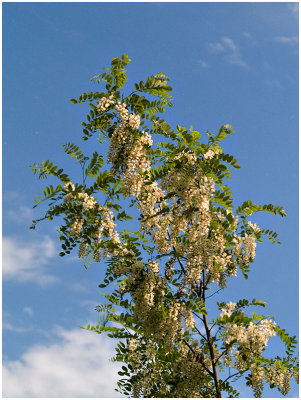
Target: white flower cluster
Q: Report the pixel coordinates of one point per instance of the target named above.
(82, 250)
(89, 202)
(190, 387)
(279, 376)
(227, 310)
(209, 155)
(69, 187)
(123, 111)
(134, 121)
(276, 374)
(185, 366)
(122, 139)
(77, 227)
(254, 227)
(150, 203)
(120, 143)
(192, 191)
(220, 261)
(154, 266)
(105, 103)
(196, 377)
(249, 342)
(188, 318)
(147, 288)
(106, 222)
(256, 379)
(136, 164)
(144, 377)
(171, 327)
(244, 248)
(133, 344)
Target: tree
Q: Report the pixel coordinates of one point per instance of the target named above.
(157, 278)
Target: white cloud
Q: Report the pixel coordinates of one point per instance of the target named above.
(11, 195)
(290, 40)
(294, 8)
(89, 304)
(229, 43)
(20, 214)
(28, 310)
(235, 59)
(203, 63)
(26, 261)
(273, 83)
(247, 35)
(79, 286)
(216, 47)
(230, 51)
(76, 365)
(16, 326)
(7, 326)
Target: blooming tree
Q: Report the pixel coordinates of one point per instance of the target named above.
(157, 278)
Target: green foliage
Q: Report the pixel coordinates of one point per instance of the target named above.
(192, 360)
(46, 168)
(116, 77)
(74, 151)
(248, 208)
(95, 165)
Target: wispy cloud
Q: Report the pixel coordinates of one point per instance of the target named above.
(229, 43)
(25, 261)
(11, 195)
(203, 63)
(89, 305)
(247, 35)
(15, 209)
(20, 214)
(273, 83)
(294, 8)
(75, 365)
(228, 48)
(7, 326)
(216, 47)
(249, 38)
(28, 311)
(79, 286)
(290, 40)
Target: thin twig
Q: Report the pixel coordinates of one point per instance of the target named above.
(201, 362)
(212, 326)
(211, 349)
(201, 334)
(231, 376)
(213, 293)
(179, 261)
(225, 351)
(194, 313)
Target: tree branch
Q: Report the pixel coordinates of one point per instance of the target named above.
(214, 293)
(199, 360)
(211, 349)
(231, 376)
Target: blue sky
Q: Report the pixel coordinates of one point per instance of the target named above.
(233, 63)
